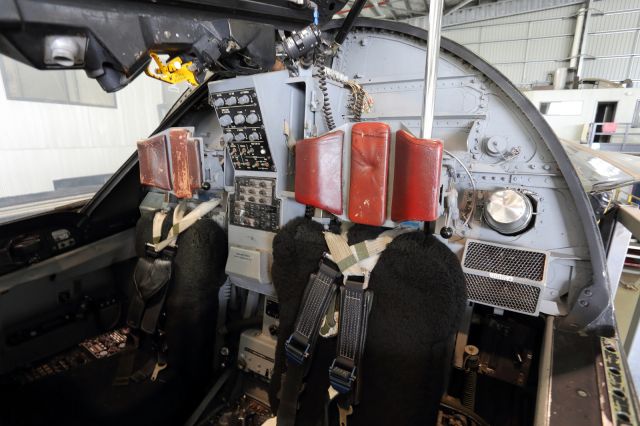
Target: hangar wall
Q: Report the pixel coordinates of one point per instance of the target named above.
(528, 46)
(45, 142)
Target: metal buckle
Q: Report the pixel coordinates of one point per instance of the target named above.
(358, 279)
(294, 354)
(340, 378)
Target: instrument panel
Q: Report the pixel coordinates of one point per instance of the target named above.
(254, 204)
(243, 129)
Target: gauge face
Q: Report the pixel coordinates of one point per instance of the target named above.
(508, 211)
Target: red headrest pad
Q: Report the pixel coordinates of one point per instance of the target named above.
(185, 163)
(416, 178)
(369, 173)
(319, 172)
(154, 162)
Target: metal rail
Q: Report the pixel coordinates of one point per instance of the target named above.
(431, 67)
(617, 137)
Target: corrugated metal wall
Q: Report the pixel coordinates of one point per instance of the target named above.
(529, 47)
(613, 46)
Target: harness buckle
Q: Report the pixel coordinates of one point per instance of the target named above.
(168, 252)
(341, 379)
(363, 280)
(296, 355)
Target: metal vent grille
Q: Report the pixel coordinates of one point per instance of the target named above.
(512, 262)
(503, 294)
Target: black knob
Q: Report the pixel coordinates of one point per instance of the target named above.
(446, 232)
(206, 186)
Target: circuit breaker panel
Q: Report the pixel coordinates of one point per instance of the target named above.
(258, 115)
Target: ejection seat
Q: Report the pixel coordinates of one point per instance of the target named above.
(171, 316)
(416, 289)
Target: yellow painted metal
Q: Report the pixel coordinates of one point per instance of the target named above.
(173, 72)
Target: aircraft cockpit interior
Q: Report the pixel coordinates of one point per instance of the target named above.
(292, 247)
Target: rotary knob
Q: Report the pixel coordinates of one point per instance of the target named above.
(244, 99)
(231, 100)
(218, 102)
(508, 212)
(225, 120)
(238, 119)
(240, 137)
(254, 136)
(252, 118)
(227, 137)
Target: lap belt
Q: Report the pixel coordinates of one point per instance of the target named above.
(300, 346)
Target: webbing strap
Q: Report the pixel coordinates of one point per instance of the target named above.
(182, 222)
(355, 305)
(300, 346)
(318, 294)
(360, 258)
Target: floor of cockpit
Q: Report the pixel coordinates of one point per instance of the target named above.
(86, 395)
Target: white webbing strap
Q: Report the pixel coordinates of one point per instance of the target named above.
(361, 258)
(181, 222)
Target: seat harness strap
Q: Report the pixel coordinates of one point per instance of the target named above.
(356, 263)
(300, 346)
(151, 279)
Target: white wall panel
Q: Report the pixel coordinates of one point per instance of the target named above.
(609, 44)
(42, 142)
(504, 51)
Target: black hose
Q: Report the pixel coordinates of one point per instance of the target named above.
(348, 21)
(208, 398)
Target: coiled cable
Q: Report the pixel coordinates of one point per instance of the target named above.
(322, 83)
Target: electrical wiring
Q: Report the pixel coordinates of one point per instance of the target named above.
(473, 186)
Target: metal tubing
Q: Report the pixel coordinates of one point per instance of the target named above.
(583, 41)
(577, 39)
(431, 67)
(348, 22)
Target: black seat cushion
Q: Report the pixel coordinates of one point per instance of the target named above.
(419, 297)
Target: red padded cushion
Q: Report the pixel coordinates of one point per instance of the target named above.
(181, 172)
(416, 178)
(369, 173)
(154, 162)
(319, 172)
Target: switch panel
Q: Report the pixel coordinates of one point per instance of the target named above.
(254, 204)
(240, 117)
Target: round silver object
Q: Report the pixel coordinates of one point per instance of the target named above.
(508, 211)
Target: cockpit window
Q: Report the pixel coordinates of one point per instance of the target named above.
(63, 137)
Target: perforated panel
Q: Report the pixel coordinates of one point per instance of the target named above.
(512, 262)
(503, 294)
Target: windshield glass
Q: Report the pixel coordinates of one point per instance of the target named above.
(63, 137)
(602, 171)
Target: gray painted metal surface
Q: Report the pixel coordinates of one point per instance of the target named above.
(473, 103)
